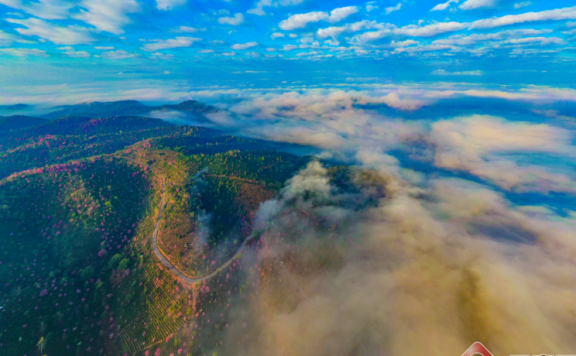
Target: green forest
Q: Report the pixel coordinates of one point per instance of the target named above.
(79, 202)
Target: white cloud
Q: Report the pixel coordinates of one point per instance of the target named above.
(423, 48)
(259, 9)
(406, 43)
(169, 4)
(430, 30)
(206, 51)
(522, 4)
(234, 21)
(539, 40)
(477, 4)
(71, 52)
(467, 40)
(229, 54)
(243, 46)
(44, 9)
(107, 48)
(23, 52)
(6, 39)
(391, 9)
(444, 6)
(474, 143)
(276, 35)
(177, 42)
(469, 72)
(107, 15)
(412, 30)
(70, 35)
(547, 15)
(301, 20)
(187, 29)
(118, 54)
(341, 13)
(393, 100)
(335, 31)
(166, 57)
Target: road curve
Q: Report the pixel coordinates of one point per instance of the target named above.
(190, 280)
(186, 279)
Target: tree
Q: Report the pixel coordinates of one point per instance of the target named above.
(41, 344)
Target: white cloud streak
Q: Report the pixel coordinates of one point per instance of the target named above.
(169, 4)
(302, 20)
(477, 4)
(71, 52)
(444, 6)
(70, 35)
(547, 15)
(233, 21)
(243, 46)
(44, 9)
(391, 9)
(107, 15)
(177, 42)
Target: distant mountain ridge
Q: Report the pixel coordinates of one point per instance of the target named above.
(15, 107)
(128, 108)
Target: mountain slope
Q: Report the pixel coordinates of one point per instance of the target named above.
(16, 122)
(69, 138)
(78, 205)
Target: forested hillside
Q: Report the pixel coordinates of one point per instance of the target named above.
(80, 199)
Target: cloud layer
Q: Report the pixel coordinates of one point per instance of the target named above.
(420, 270)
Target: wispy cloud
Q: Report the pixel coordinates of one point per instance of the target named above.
(70, 35)
(107, 15)
(261, 4)
(467, 72)
(477, 4)
(444, 6)
(234, 21)
(118, 54)
(243, 46)
(302, 20)
(547, 15)
(169, 4)
(391, 9)
(177, 42)
(472, 144)
(44, 9)
(71, 52)
(23, 52)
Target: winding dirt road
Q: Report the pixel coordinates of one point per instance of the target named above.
(194, 280)
(186, 279)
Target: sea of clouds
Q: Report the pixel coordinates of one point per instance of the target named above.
(455, 228)
(458, 225)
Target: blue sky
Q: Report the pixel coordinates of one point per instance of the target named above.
(267, 43)
(371, 82)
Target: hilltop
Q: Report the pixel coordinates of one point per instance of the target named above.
(80, 200)
(127, 108)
